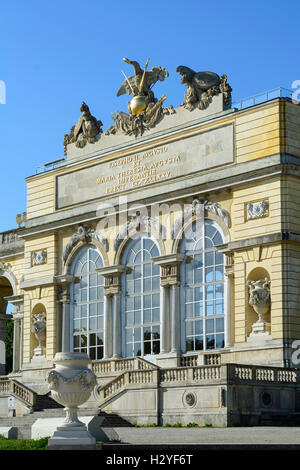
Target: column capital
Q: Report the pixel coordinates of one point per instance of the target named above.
(112, 278)
(170, 268)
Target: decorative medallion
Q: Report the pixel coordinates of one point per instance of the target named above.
(38, 257)
(257, 210)
(189, 399)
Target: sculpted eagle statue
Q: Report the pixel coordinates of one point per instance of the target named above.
(132, 85)
(201, 87)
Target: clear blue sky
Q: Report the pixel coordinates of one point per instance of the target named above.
(55, 54)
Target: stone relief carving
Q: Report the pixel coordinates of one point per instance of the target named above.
(201, 87)
(21, 218)
(83, 235)
(4, 265)
(39, 257)
(195, 208)
(39, 330)
(260, 300)
(257, 209)
(145, 110)
(85, 130)
(189, 399)
(138, 223)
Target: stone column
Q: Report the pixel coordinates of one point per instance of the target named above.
(170, 314)
(18, 302)
(175, 314)
(228, 305)
(64, 283)
(112, 310)
(165, 320)
(107, 347)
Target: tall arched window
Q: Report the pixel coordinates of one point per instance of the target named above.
(141, 299)
(202, 288)
(86, 303)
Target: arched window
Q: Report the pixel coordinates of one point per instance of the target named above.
(86, 303)
(141, 299)
(202, 288)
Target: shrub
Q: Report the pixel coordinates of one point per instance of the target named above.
(23, 444)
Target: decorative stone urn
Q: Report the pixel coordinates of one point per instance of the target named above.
(71, 384)
(259, 299)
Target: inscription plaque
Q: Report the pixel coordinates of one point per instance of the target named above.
(137, 170)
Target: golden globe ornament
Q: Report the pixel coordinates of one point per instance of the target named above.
(138, 104)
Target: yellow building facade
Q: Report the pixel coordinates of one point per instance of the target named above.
(173, 259)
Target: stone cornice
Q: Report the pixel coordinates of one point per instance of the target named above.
(272, 238)
(230, 176)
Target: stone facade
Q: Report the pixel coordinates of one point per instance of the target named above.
(235, 171)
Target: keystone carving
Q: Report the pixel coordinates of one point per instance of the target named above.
(138, 223)
(83, 235)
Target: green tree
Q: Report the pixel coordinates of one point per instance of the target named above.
(9, 345)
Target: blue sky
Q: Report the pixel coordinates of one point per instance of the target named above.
(56, 54)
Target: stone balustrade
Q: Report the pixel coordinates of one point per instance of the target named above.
(262, 374)
(18, 390)
(193, 375)
(10, 242)
(113, 366)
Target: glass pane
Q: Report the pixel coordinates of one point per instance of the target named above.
(147, 315)
(189, 310)
(93, 339)
(208, 243)
(218, 239)
(156, 332)
(147, 284)
(137, 286)
(156, 347)
(92, 354)
(209, 326)
(209, 274)
(93, 280)
(155, 270)
(129, 286)
(147, 347)
(219, 341)
(99, 338)
(84, 324)
(219, 273)
(199, 293)
(76, 341)
(189, 294)
(137, 334)
(83, 295)
(137, 273)
(155, 300)
(100, 323)
(129, 318)
(147, 269)
(156, 315)
(209, 258)
(128, 335)
(189, 328)
(209, 292)
(198, 327)
(189, 344)
(147, 334)
(83, 311)
(155, 283)
(100, 308)
(129, 303)
(210, 308)
(219, 290)
(210, 342)
(93, 323)
(147, 301)
(137, 317)
(219, 324)
(219, 307)
(76, 326)
(128, 350)
(93, 309)
(137, 302)
(137, 349)
(198, 343)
